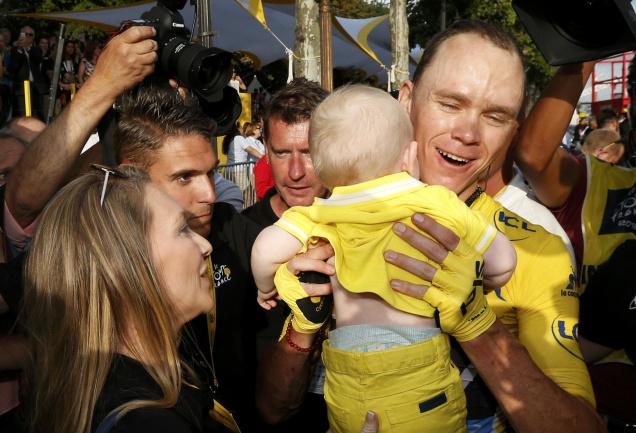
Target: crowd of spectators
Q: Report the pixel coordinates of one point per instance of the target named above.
(31, 58)
(127, 294)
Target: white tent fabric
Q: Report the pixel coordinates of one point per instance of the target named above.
(236, 29)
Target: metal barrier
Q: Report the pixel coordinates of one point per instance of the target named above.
(242, 174)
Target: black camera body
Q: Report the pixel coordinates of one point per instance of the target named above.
(205, 71)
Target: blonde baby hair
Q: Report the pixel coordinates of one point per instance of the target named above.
(358, 133)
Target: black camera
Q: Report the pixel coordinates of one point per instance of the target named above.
(205, 71)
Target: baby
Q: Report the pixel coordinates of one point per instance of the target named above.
(386, 353)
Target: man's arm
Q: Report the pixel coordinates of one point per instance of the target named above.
(551, 171)
(126, 60)
(284, 372)
(283, 377)
(531, 400)
(255, 153)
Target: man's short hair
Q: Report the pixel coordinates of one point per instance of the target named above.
(600, 139)
(357, 134)
(148, 115)
(294, 103)
(490, 32)
(606, 115)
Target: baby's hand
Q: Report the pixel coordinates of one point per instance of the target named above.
(267, 300)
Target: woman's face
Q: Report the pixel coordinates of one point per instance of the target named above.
(44, 45)
(179, 255)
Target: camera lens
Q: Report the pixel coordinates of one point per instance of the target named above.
(206, 69)
(224, 108)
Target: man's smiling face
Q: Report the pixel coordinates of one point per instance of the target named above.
(464, 111)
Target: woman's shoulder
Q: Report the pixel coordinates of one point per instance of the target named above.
(153, 419)
(128, 380)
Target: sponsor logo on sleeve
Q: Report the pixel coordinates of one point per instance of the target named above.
(572, 287)
(565, 332)
(515, 228)
(620, 212)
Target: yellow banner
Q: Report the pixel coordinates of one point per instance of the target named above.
(255, 8)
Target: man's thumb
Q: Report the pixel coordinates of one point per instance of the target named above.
(371, 424)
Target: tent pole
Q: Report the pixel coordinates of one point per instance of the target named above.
(307, 41)
(204, 12)
(326, 46)
(399, 42)
(56, 73)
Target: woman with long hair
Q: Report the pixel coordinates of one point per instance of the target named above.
(113, 274)
(92, 52)
(68, 73)
(255, 147)
(241, 148)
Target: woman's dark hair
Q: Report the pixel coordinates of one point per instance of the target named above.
(89, 49)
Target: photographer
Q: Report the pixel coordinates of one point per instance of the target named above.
(25, 64)
(127, 59)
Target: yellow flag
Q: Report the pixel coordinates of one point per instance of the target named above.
(254, 7)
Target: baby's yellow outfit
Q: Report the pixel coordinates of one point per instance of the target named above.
(413, 387)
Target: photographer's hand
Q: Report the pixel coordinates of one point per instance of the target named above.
(127, 59)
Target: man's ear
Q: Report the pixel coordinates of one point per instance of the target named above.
(410, 163)
(405, 98)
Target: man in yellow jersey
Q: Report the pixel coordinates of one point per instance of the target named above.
(593, 201)
(464, 102)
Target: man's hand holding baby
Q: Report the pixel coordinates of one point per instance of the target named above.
(457, 287)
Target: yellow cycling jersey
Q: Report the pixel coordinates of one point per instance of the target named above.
(540, 303)
(358, 222)
(609, 213)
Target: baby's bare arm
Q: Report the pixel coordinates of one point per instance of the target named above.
(272, 248)
(500, 260)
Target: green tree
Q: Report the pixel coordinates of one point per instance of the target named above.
(424, 17)
(52, 27)
(359, 8)
(77, 30)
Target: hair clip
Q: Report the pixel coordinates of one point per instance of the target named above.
(107, 172)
